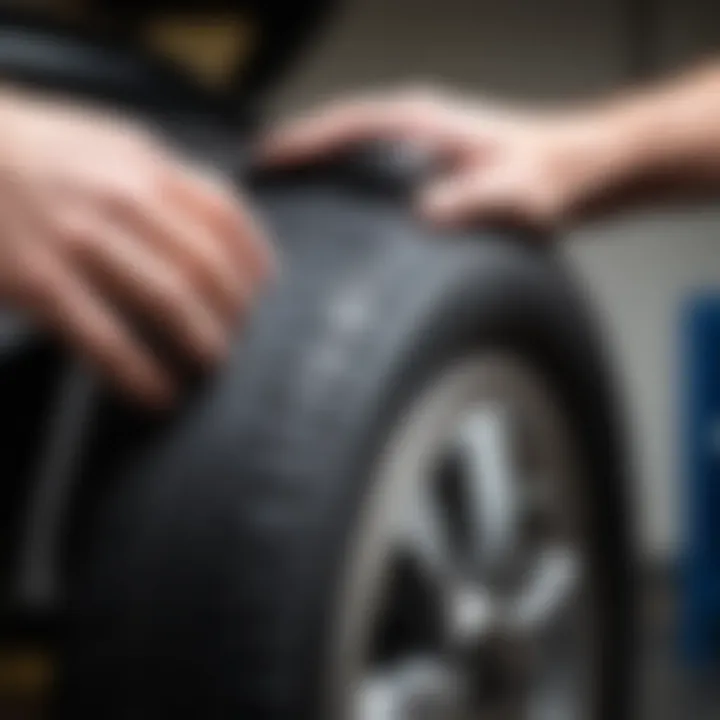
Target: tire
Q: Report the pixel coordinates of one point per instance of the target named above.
(212, 552)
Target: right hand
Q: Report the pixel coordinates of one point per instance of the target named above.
(495, 163)
(99, 224)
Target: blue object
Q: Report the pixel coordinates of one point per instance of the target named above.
(700, 602)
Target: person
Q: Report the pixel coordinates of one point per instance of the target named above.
(99, 222)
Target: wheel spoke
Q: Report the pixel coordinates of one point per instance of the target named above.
(492, 492)
(378, 699)
(476, 525)
(550, 590)
(473, 615)
(428, 537)
(417, 688)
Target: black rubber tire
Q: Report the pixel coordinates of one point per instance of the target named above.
(208, 549)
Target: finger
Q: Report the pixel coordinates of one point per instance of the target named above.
(237, 230)
(68, 306)
(462, 198)
(176, 232)
(148, 284)
(339, 125)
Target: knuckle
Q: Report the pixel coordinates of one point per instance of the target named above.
(202, 272)
(229, 210)
(128, 191)
(109, 344)
(172, 292)
(35, 284)
(75, 234)
(40, 289)
(214, 267)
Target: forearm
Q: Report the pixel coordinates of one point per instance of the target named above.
(662, 143)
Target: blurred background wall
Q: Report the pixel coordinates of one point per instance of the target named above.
(639, 268)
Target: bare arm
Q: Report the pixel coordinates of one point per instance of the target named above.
(543, 167)
(659, 144)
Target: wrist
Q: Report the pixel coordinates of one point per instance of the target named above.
(599, 153)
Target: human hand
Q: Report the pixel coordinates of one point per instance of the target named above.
(100, 224)
(494, 163)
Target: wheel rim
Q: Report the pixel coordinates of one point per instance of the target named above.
(467, 589)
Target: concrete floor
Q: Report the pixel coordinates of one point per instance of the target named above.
(669, 691)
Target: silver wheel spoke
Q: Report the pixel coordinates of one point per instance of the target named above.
(473, 615)
(486, 446)
(475, 572)
(428, 538)
(417, 688)
(550, 590)
(377, 699)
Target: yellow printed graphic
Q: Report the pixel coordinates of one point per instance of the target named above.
(212, 46)
(26, 679)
